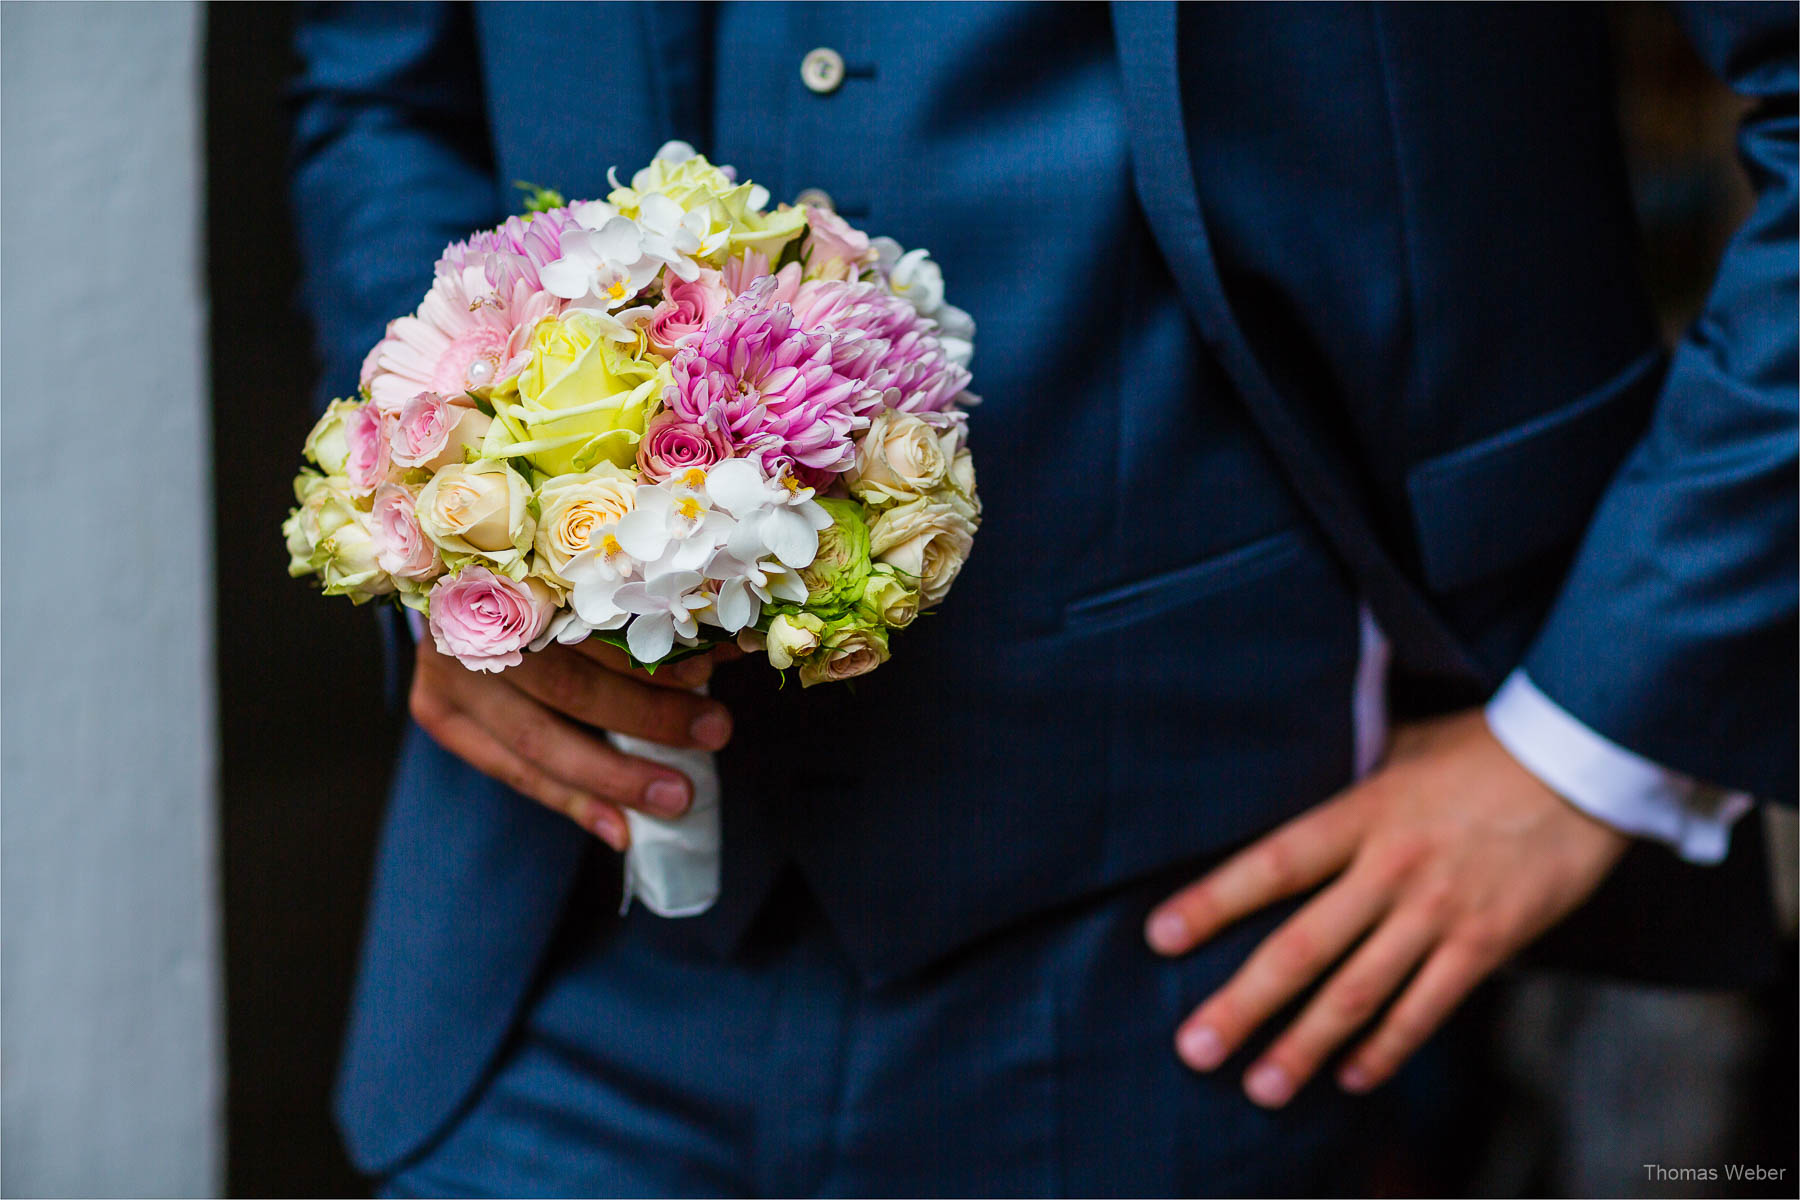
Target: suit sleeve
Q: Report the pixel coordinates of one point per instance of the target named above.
(391, 163)
(1675, 634)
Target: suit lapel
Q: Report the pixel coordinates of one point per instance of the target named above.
(1150, 68)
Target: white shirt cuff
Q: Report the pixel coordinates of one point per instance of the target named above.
(1608, 782)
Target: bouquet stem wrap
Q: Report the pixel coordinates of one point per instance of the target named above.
(672, 866)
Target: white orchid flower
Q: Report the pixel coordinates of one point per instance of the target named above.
(601, 269)
(595, 576)
(592, 214)
(678, 237)
(666, 532)
(744, 587)
(665, 609)
(564, 628)
(774, 516)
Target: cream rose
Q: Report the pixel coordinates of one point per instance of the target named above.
(574, 510)
(848, 651)
(478, 508)
(328, 445)
(791, 637)
(888, 598)
(962, 477)
(926, 539)
(899, 458)
(324, 504)
(349, 560)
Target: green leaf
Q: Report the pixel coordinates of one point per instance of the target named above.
(616, 637)
(539, 199)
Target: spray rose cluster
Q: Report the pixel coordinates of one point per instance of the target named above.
(671, 418)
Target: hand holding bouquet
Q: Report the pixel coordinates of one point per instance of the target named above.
(668, 419)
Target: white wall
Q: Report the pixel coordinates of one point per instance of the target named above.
(109, 972)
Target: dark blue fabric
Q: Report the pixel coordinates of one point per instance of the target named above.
(1036, 1064)
(1281, 307)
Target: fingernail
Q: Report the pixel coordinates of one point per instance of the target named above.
(711, 729)
(1167, 932)
(1354, 1079)
(666, 798)
(1201, 1048)
(1268, 1085)
(609, 827)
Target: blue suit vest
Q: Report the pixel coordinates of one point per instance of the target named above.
(1282, 309)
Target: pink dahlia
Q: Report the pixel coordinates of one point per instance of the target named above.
(743, 273)
(467, 336)
(514, 251)
(770, 388)
(884, 342)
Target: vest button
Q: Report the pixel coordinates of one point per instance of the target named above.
(822, 70)
(816, 198)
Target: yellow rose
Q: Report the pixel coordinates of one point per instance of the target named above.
(574, 510)
(582, 400)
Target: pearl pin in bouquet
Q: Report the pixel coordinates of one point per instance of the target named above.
(670, 419)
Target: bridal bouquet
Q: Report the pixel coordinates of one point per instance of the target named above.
(667, 419)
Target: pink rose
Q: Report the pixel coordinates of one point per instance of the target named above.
(671, 445)
(365, 430)
(401, 547)
(485, 620)
(687, 309)
(432, 432)
(835, 249)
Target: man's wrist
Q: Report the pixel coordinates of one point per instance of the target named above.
(1609, 782)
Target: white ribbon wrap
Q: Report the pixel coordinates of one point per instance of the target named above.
(672, 866)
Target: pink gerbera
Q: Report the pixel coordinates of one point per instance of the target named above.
(465, 338)
(770, 388)
(884, 342)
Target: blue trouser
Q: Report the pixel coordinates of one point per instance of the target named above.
(1039, 1062)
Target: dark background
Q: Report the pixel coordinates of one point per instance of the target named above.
(307, 736)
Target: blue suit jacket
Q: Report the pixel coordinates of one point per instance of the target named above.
(1404, 239)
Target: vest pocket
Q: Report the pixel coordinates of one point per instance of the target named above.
(1495, 503)
(1145, 598)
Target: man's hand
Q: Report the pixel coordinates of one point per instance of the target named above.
(535, 727)
(1449, 859)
